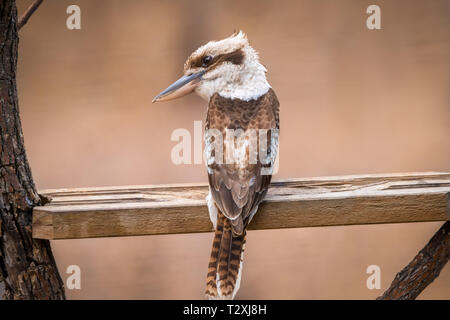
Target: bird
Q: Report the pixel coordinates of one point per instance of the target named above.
(241, 146)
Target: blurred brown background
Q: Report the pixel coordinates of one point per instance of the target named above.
(353, 101)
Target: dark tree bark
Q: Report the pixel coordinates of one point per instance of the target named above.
(423, 269)
(27, 267)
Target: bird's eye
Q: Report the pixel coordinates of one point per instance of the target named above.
(206, 60)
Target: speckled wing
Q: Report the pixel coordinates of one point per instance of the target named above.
(238, 186)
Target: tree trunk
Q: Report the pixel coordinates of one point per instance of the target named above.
(27, 267)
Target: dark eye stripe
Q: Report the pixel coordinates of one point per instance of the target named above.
(235, 57)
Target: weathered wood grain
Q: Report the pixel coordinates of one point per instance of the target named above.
(292, 203)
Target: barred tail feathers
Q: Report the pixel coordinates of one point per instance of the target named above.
(225, 264)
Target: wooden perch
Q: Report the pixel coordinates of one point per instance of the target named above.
(293, 203)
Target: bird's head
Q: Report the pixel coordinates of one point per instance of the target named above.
(229, 67)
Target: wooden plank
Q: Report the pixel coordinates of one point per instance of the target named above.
(291, 203)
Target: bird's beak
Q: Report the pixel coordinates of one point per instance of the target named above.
(181, 87)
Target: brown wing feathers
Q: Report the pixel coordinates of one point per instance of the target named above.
(237, 191)
(234, 189)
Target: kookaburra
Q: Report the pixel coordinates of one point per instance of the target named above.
(243, 106)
